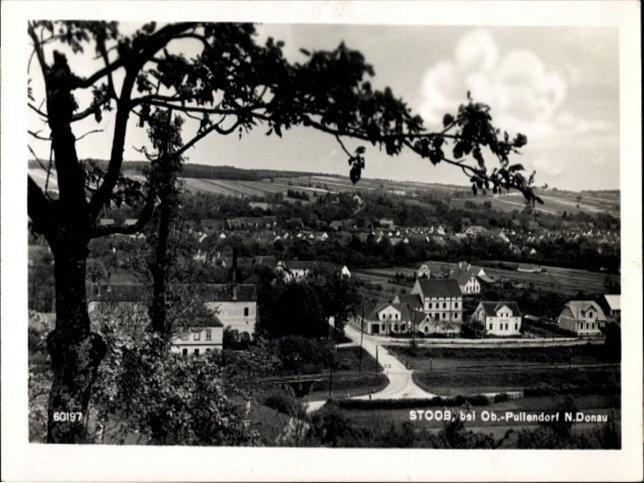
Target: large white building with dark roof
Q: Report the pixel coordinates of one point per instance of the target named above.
(231, 306)
(441, 299)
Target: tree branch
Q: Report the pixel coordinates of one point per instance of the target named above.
(106, 60)
(39, 52)
(337, 137)
(40, 113)
(162, 37)
(36, 135)
(156, 42)
(94, 131)
(89, 111)
(204, 133)
(39, 208)
(144, 218)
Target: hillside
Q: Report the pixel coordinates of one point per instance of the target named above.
(246, 183)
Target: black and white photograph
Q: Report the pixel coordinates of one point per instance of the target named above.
(333, 229)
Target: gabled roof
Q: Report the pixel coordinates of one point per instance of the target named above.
(372, 311)
(613, 301)
(412, 299)
(491, 308)
(122, 292)
(206, 320)
(580, 307)
(440, 287)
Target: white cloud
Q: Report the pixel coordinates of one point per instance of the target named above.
(526, 95)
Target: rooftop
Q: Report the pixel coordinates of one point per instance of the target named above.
(440, 287)
(491, 308)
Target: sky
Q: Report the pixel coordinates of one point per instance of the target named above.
(557, 85)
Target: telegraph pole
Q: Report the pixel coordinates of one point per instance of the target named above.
(376, 370)
(361, 337)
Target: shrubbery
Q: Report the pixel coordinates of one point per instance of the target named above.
(478, 400)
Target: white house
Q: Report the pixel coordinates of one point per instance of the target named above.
(234, 305)
(423, 271)
(294, 270)
(199, 336)
(499, 318)
(468, 277)
(582, 317)
(386, 318)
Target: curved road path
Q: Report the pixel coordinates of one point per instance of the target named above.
(401, 384)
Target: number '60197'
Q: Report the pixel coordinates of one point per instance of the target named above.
(71, 417)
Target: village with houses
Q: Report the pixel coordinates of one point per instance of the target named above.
(375, 296)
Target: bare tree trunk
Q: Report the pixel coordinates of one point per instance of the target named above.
(158, 312)
(75, 351)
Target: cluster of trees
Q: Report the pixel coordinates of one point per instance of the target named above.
(297, 195)
(305, 307)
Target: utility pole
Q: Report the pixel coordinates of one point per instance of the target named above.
(361, 337)
(376, 360)
(330, 376)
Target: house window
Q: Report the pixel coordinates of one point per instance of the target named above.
(395, 327)
(208, 334)
(197, 335)
(196, 352)
(444, 305)
(444, 315)
(246, 311)
(185, 352)
(455, 315)
(184, 335)
(456, 305)
(437, 317)
(207, 351)
(490, 326)
(592, 326)
(516, 326)
(431, 306)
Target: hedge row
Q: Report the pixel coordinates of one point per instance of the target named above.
(478, 400)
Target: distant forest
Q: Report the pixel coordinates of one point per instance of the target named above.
(203, 171)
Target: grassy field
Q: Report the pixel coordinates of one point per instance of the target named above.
(556, 279)
(347, 381)
(496, 378)
(467, 371)
(555, 203)
(445, 357)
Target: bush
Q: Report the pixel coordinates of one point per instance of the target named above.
(478, 400)
(280, 401)
(298, 353)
